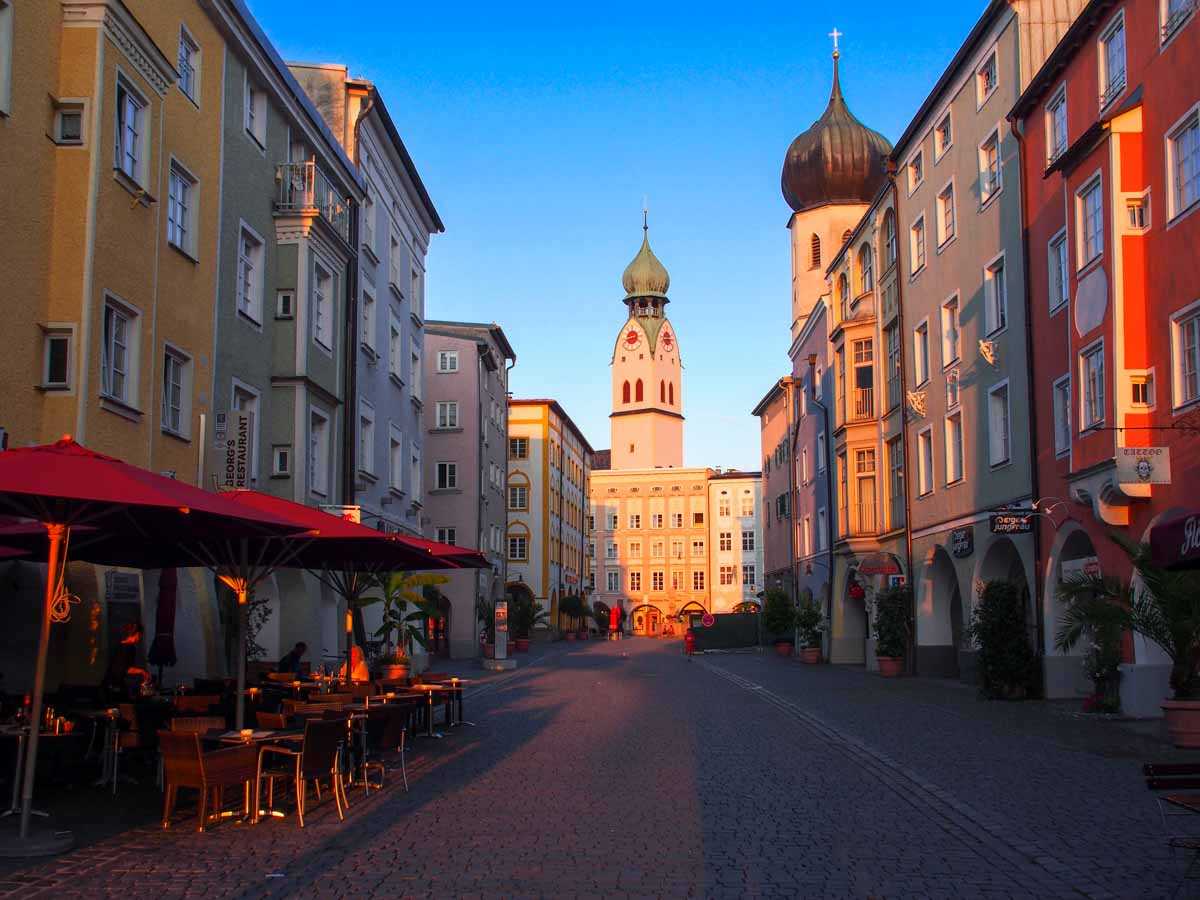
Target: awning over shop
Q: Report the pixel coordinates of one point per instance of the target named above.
(1175, 542)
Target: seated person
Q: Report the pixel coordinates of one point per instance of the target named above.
(123, 676)
(291, 661)
(358, 666)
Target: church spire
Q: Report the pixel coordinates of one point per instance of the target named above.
(645, 276)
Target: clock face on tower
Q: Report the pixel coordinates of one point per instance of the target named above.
(668, 340)
(632, 339)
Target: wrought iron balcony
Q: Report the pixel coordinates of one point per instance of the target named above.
(1115, 85)
(863, 406)
(305, 189)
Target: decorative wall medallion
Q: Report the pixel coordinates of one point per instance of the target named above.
(668, 341)
(916, 402)
(989, 350)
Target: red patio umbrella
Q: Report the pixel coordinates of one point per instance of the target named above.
(463, 557)
(65, 485)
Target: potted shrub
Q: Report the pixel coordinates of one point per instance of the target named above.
(525, 614)
(407, 603)
(1006, 660)
(1101, 624)
(572, 607)
(485, 613)
(779, 618)
(1165, 609)
(809, 626)
(893, 629)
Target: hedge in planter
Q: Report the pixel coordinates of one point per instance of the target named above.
(893, 622)
(779, 615)
(1006, 660)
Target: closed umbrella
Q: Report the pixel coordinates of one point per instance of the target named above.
(63, 486)
(162, 650)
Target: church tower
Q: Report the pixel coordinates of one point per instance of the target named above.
(647, 375)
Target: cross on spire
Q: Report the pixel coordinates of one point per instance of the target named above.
(645, 213)
(835, 34)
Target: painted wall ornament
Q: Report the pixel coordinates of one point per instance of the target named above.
(989, 351)
(916, 402)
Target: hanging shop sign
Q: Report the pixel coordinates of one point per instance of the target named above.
(239, 450)
(962, 541)
(1011, 523)
(879, 564)
(1143, 465)
(708, 620)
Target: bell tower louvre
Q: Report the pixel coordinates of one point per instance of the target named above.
(647, 374)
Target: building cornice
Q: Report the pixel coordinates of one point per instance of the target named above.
(127, 33)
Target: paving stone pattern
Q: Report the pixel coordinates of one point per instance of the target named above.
(625, 769)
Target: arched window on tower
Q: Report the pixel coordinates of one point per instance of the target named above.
(625, 392)
(815, 260)
(639, 394)
(671, 393)
(662, 392)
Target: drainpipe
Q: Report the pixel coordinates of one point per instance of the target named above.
(1031, 400)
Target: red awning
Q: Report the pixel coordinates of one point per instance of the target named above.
(462, 557)
(1175, 542)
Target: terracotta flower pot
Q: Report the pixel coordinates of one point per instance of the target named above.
(783, 648)
(570, 635)
(810, 655)
(891, 666)
(521, 645)
(1183, 722)
(394, 671)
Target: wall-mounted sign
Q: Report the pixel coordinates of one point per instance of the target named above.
(501, 616)
(239, 450)
(122, 587)
(895, 581)
(879, 564)
(1011, 523)
(962, 541)
(1084, 567)
(1143, 465)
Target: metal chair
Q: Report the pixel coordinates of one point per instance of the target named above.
(317, 758)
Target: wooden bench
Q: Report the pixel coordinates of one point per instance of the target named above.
(1176, 787)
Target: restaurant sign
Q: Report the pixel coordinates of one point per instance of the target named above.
(1074, 569)
(238, 446)
(1011, 523)
(879, 564)
(1143, 465)
(122, 587)
(962, 541)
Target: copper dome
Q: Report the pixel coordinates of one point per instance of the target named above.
(838, 160)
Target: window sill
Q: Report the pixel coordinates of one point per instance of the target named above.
(120, 408)
(1094, 428)
(986, 202)
(996, 467)
(184, 253)
(396, 379)
(956, 360)
(1087, 268)
(417, 402)
(370, 352)
(280, 476)
(53, 388)
(177, 435)
(142, 195)
(1183, 214)
(369, 250)
(441, 491)
(416, 319)
(395, 491)
(916, 273)
(445, 430)
(395, 289)
(1055, 310)
(368, 475)
(260, 144)
(242, 314)
(328, 351)
(946, 243)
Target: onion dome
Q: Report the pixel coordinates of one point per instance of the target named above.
(838, 160)
(645, 276)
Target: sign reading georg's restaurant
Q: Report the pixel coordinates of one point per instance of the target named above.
(1143, 465)
(234, 436)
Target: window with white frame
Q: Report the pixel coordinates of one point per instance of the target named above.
(987, 79)
(999, 430)
(889, 239)
(68, 114)
(990, 175)
(57, 357)
(806, 535)
(635, 520)
(657, 549)
(866, 269)
(943, 136)
(395, 348)
(255, 106)
(1175, 13)
(727, 575)
(916, 245)
(925, 461)
(822, 528)
(916, 171)
(518, 496)
(318, 453)
(1112, 60)
(610, 550)
(447, 414)
(366, 438)
(322, 306)
(891, 338)
(132, 127)
(395, 264)
(697, 548)
(945, 214)
(1057, 264)
(1185, 353)
(725, 540)
(656, 520)
(417, 285)
(1091, 375)
(1056, 125)
(118, 361)
(1183, 164)
(368, 319)
(995, 297)
(1141, 390)
(954, 448)
(895, 476)
(821, 451)
(612, 581)
(176, 397)
(414, 368)
(657, 581)
(447, 535)
(395, 459)
(181, 209)
(250, 273)
(1061, 403)
(244, 399)
(921, 353)
(749, 575)
(723, 507)
(447, 361)
(698, 581)
(1137, 213)
(804, 465)
(635, 581)
(951, 335)
(1089, 214)
(447, 476)
(518, 547)
(6, 56)
(368, 221)
(281, 460)
(188, 65)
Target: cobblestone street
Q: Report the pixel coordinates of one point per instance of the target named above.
(625, 769)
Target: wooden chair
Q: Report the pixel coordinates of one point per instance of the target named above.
(387, 729)
(360, 689)
(271, 721)
(317, 758)
(331, 698)
(282, 677)
(196, 724)
(184, 765)
(1175, 787)
(196, 703)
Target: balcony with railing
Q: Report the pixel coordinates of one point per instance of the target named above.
(866, 518)
(862, 404)
(306, 190)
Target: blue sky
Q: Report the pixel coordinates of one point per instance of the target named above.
(538, 128)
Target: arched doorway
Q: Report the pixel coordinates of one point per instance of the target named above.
(940, 617)
(690, 614)
(746, 606)
(437, 627)
(853, 632)
(647, 620)
(1002, 562)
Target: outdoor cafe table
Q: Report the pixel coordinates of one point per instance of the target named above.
(429, 690)
(21, 734)
(261, 738)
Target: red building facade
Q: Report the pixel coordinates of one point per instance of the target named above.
(1110, 145)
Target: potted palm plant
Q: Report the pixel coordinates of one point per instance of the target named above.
(810, 623)
(893, 628)
(1164, 607)
(485, 612)
(525, 613)
(407, 599)
(779, 618)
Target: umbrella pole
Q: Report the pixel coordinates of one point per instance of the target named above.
(239, 700)
(57, 533)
